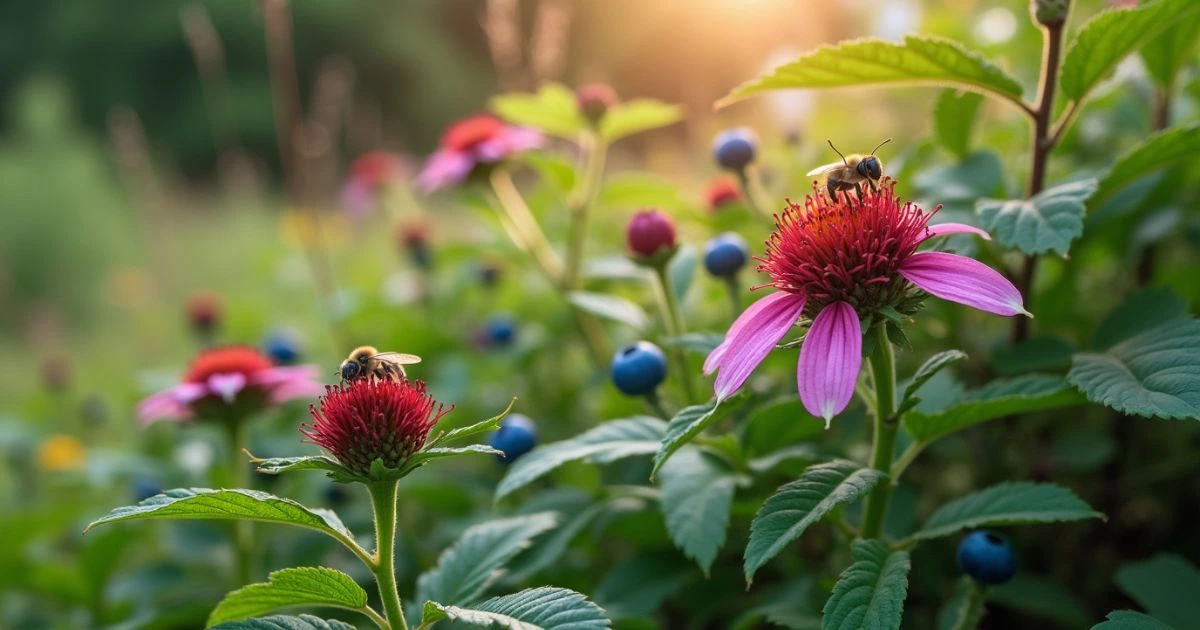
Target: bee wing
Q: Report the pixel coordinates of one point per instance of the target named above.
(822, 169)
(398, 357)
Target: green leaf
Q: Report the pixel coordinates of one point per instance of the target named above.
(549, 548)
(1130, 620)
(608, 442)
(1141, 311)
(1152, 374)
(917, 61)
(554, 169)
(276, 465)
(797, 505)
(682, 270)
(303, 586)
(697, 494)
(1166, 54)
(1044, 597)
(870, 594)
(1049, 221)
(954, 118)
(1158, 151)
(1166, 585)
(639, 190)
(611, 307)
(760, 465)
(1104, 40)
(545, 608)
(286, 622)
(483, 426)
(697, 343)
(1037, 353)
(965, 610)
(931, 366)
(638, 585)
(229, 505)
(1000, 398)
(1007, 504)
(430, 454)
(686, 424)
(553, 109)
(637, 115)
(476, 560)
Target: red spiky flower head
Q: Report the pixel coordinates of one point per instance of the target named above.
(368, 420)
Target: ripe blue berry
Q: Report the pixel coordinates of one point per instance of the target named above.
(282, 346)
(517, 436)
(639, 368)
(988, 557)
(734, 149)
(501, 329)
(725, 255)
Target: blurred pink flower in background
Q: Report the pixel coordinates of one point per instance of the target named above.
(369, 174)
(481, 139)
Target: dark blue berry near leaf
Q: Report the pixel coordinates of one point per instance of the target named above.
(988, 557)
(517, 435)
(639, 369)
(725, 255)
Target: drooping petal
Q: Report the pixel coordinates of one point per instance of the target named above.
(188, 393)
(227, 386)
(508, 142)
(963, 280)
(290, 382)
(714, 357)
(755, 339)
(943, 229)
(163, 405)
(829, 361)
(444, 168)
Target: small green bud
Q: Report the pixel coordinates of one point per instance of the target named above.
(1050, 12)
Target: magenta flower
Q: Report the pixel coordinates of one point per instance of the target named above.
(369, 174)
(230, 379)
(840, 262)
(482, 139)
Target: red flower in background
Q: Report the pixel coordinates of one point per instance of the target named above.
(721, 192)
(368, 174)
(482, 139)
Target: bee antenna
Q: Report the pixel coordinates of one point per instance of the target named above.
(839, 152)
(879, 145)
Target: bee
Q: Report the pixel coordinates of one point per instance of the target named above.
(853, 170)
(366, 362)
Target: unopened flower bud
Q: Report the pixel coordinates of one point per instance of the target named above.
(594, 100)
(651, 236)
(1050, 12)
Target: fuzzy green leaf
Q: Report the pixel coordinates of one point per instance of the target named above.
(1049, 221)
(1152, 374)
(610, 307)
(286, 622)
(545, 608)
(954, 118)
(919, 60)
(1159, 150)
(1166, 54)
(797, 505)
(931, 366)
(1131, 620)
(637, 115)
(608, 442)
(1140, 312)
(1166, 585)
(276, 465)
(302, 586)
(1003, 397)
(697, 494)
(553, 109)
(476, 560)
(870, 594)
(1103, 41)
(686, 424)
(1007, 504)
(483, 426)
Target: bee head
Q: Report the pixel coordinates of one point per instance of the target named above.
(350, 370)
(870, 168)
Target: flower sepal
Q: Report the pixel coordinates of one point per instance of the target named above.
(659, 260)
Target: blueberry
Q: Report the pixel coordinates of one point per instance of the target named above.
(988, 557)
(639, 368)
(501, 329)
(734, 149)
(144, 488)
(282, 346)
(725, 255)
(517, 436)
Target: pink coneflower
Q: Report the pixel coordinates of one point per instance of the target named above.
(228, 380)
(482, 139)
(368, 175)
(840, 262)
(369, 419)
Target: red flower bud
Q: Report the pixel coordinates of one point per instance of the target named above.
(721, 192)
(204, 311)
(649, 233)
(594, 101)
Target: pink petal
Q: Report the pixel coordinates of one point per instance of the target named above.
(754, 340)
(444, 168)
(164, 405)
(188, 393)
(227, 386)
(510, 141)
(358, 198)
(943, 229)
(291, 382)
(714, 357)
(963, 280)
(829, 361)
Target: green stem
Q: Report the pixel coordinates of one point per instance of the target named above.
(655, 402)
(383, 500)
(579, 205)
(883, 373)
(243, 532)
(669, 305)
(735, 294)
(971, 611)
(754, 195)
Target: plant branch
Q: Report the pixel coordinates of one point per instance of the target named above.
(383, 500)
(883, 372)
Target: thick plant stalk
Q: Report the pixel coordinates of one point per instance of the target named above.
(883, 372)
(383, 500)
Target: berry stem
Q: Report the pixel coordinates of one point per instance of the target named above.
(595, 150)
(383, 500)
(883, 372)
(735, 297)
(754, 194)
(669, 305)
(655, 403)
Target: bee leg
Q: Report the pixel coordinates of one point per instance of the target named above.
(858, 189)
(831, 187)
